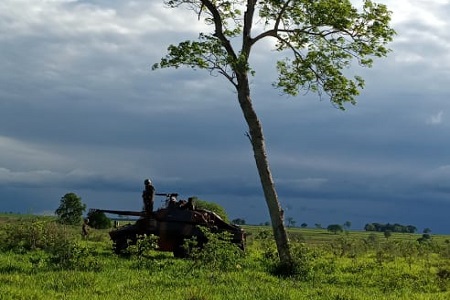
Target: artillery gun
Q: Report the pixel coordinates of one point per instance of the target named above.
(172, 225)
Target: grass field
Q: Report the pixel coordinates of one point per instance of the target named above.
(40, 259)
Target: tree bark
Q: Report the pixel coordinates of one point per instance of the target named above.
(262, 164)
(255, 128)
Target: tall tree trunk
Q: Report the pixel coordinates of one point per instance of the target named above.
(262, 163)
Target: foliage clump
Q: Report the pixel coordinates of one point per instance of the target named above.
(299, 267)
(70, 210)
(335, 228)
(51, 245)
(69, 254)
(98, 220)
(34, 234)
(217, 254)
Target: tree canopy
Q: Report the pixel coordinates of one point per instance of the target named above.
(320, 40)
(98, 220)
(335, 228)
(70, 209)
(380, 227)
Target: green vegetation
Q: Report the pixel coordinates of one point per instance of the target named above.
(43, 259)
(238, 221)
(335, 228)
(98, 220)
(70, 209)
(390, 227)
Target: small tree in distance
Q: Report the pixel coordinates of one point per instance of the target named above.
(290, 221)
(238, 221)
(335, 228)
(387, 234)
(427, 230)
(70, 209)
(347, 225)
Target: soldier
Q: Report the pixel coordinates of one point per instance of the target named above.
(172, 201)
(85, 228)
(148, 195)
(190, 204)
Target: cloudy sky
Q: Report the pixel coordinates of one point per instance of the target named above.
(81, 111)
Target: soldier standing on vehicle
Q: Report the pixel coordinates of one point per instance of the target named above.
(148, 195)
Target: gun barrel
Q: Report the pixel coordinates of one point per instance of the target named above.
(167, 194)
(121, 212)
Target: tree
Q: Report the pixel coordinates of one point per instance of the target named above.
(387, 234)
(347, 225)
(238, 221)
(335, 228)
(411, 229)
(70, 209)
(426, 230)
(320, 39)
(290, 221)
(98, 220)
(424, 238)
(369, 227)
(304, 225)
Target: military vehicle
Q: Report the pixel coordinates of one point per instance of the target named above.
(172, 224)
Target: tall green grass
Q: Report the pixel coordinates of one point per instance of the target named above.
(353, 266)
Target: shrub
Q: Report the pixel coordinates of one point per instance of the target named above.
(300, 267)
(144, 245)
(70, 255)
(218, 254)
(32, 235)
(98, 220)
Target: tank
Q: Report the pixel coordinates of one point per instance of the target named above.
(172, 225)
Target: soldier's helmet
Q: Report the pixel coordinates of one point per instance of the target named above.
(147, 182)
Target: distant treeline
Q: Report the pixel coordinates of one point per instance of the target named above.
(390, 227)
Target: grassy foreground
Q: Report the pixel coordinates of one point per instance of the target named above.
(43, 260)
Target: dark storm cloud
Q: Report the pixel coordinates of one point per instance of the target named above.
(81, 111)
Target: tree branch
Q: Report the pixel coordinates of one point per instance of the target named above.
(274, 31)
(218, 22)
(248, 23)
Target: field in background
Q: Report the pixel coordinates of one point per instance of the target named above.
(40, 259)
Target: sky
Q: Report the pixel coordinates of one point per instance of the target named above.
(81, 111)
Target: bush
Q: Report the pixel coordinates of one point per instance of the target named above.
(51, 244)
(32, 235)
(98, 220)
(144, 245)
(300, 267)
(218, 254)
(70, 255)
